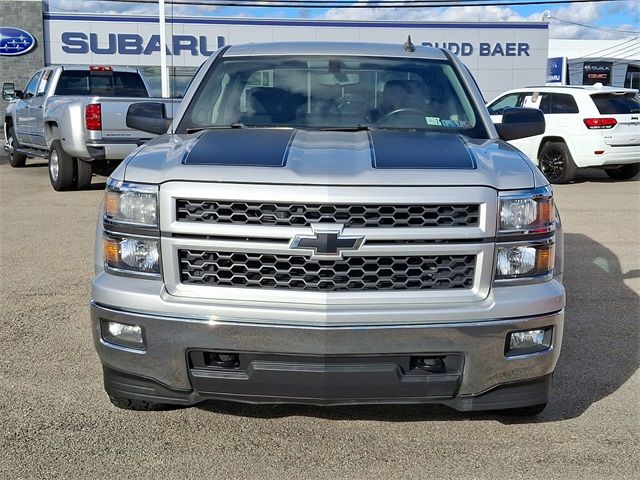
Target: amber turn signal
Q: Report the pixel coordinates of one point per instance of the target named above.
(111, 203)
(544, 258)
(111, 251)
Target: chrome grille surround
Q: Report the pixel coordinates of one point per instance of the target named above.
(276, 240)
(298, 272)
(305, 214)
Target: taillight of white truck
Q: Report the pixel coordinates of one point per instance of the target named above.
(93, 116)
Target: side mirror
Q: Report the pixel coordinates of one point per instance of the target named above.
(9, 91)
(148, 117)
(520, 123)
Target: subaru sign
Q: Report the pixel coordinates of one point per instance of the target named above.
(15, 41)
(556, 68)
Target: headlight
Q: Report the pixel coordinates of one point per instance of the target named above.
(132, 254)
(129, 203)
(514, 261)
(527, 212)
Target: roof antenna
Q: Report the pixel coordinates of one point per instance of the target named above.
(408, 46)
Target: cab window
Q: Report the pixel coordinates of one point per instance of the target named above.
(30, 89)
(44, 83)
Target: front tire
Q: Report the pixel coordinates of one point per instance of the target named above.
(61, 168)
(556, 163)
(16, 159)
(625, 172)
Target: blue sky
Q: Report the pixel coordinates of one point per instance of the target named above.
(614, 19)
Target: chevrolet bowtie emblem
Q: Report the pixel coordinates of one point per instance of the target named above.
(326, 241)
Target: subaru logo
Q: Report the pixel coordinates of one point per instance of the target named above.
(15, 41)
(326, 241)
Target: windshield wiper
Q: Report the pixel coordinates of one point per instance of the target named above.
(350, 128)
(216, 127)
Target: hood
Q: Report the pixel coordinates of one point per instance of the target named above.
(316, 157)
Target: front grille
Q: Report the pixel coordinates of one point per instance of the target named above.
(304, 214)
(296, 272)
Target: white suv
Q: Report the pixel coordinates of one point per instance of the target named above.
(587, 126)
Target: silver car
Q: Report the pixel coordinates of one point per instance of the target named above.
(329, 223)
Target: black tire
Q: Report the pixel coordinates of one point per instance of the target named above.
(85, 172)
(530, 411)
(625, 172)
(556, 163)
(16, 160)
(139, 405)
(62, 168)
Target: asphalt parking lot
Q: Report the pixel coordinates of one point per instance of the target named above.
(56, 421)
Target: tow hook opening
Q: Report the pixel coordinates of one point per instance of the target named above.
(220, 359)
(429, 364)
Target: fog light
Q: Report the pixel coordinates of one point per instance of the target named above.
(123, 334)
(528, 341)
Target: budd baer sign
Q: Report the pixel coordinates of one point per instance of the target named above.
(596, 72)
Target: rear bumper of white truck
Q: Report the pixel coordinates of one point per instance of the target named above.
(179, 362)
(111, 149)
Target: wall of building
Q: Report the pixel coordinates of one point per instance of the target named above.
(500, 55)
(26, 15)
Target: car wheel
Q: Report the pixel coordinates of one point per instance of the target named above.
(15, 159)
(625, 172)
(556, 163)
(85, 172)
(61, 168)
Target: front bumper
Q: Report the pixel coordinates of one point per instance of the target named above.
(329, 365)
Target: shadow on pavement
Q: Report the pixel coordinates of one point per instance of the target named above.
(35, 164)
(599, 351)
(597, 175)
(97, 185)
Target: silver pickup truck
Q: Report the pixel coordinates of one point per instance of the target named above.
(74, 116)
(330, 223)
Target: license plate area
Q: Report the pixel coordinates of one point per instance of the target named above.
(326, 379)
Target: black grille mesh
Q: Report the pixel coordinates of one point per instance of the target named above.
(295, 272)
(298, 214)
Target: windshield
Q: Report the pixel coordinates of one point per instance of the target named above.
(333, 93)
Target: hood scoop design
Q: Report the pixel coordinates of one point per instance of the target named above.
(419, 150)
(329, 151)
(259, 147)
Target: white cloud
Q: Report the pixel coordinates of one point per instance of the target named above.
(586, 13)
(106, 7)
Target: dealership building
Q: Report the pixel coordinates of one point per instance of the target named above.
(500, 55)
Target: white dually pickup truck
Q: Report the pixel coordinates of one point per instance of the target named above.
(74, 116)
